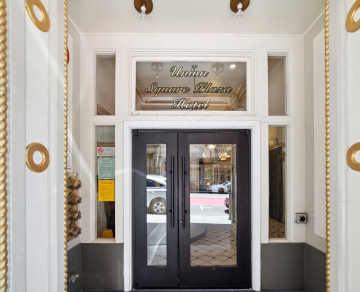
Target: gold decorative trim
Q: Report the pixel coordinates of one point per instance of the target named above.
(44, 24)
(327, 145)
(65, 143)
(30, 149)
(351, 25)
(3, 148)
(350, 157)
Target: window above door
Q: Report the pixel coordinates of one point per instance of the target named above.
(194, 86)
(172, 84)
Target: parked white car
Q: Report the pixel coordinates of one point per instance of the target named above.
(156, 194)
(220, 188)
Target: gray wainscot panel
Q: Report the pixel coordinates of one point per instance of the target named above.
(102, 266)
(314, 277)
(282, 266)
(74, 265)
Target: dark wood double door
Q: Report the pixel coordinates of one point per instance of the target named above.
(191, 209)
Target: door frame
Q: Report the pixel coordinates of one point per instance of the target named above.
(254, 126)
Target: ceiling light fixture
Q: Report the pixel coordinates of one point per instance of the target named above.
(157, 67)
(239, 6)
(232, 66)
(144, 7)
(217, 68)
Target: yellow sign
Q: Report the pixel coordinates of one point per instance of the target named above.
(106, 190)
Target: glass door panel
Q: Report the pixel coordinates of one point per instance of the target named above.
(212, 216)
(156, 204)
(214, 213)
(191, 209)
(154, 209)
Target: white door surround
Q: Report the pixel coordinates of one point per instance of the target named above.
(254, 126)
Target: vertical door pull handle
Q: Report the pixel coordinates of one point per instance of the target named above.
(183, 192)
(171, 211)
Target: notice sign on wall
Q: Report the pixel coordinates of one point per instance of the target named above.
(106, 190)
(106, 168)
(105, 151)
(207, 171)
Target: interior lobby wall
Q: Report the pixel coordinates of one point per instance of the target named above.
(310, 125)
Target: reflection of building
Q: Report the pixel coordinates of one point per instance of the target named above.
(156, 159)
(210, 165)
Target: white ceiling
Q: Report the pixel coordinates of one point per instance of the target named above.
(195, 17)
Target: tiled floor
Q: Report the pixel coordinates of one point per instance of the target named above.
(216, 248)
(276, 229)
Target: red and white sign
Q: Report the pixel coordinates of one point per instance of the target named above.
(105, 151)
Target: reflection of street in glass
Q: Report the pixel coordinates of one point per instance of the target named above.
(208, 208)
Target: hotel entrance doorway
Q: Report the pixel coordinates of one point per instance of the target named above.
(191, 209)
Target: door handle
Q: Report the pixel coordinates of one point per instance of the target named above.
(183, 192)
(172, 191)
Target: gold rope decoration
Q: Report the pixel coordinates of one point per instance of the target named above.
(327, 145)
(65, 143)
(3, 148)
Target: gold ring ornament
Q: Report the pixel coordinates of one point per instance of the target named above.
(351, 25)
(30, 150)
(350, 157)
(44, 24)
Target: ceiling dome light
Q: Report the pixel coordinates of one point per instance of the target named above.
(232, 66)
(239, 6)
(144, 7)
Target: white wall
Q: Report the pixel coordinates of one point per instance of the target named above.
(36, 114)
(344, 132)
(74, 110)
(315, 134)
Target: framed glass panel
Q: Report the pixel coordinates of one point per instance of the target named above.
(178, 86)
(277, 182)
(213, 217)
(105, 178)
(105, 85)
(277, 86)
(156, 204)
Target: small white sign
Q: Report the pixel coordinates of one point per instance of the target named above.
(105, 151)
(69, 161)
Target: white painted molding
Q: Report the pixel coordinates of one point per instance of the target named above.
(254, 126)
